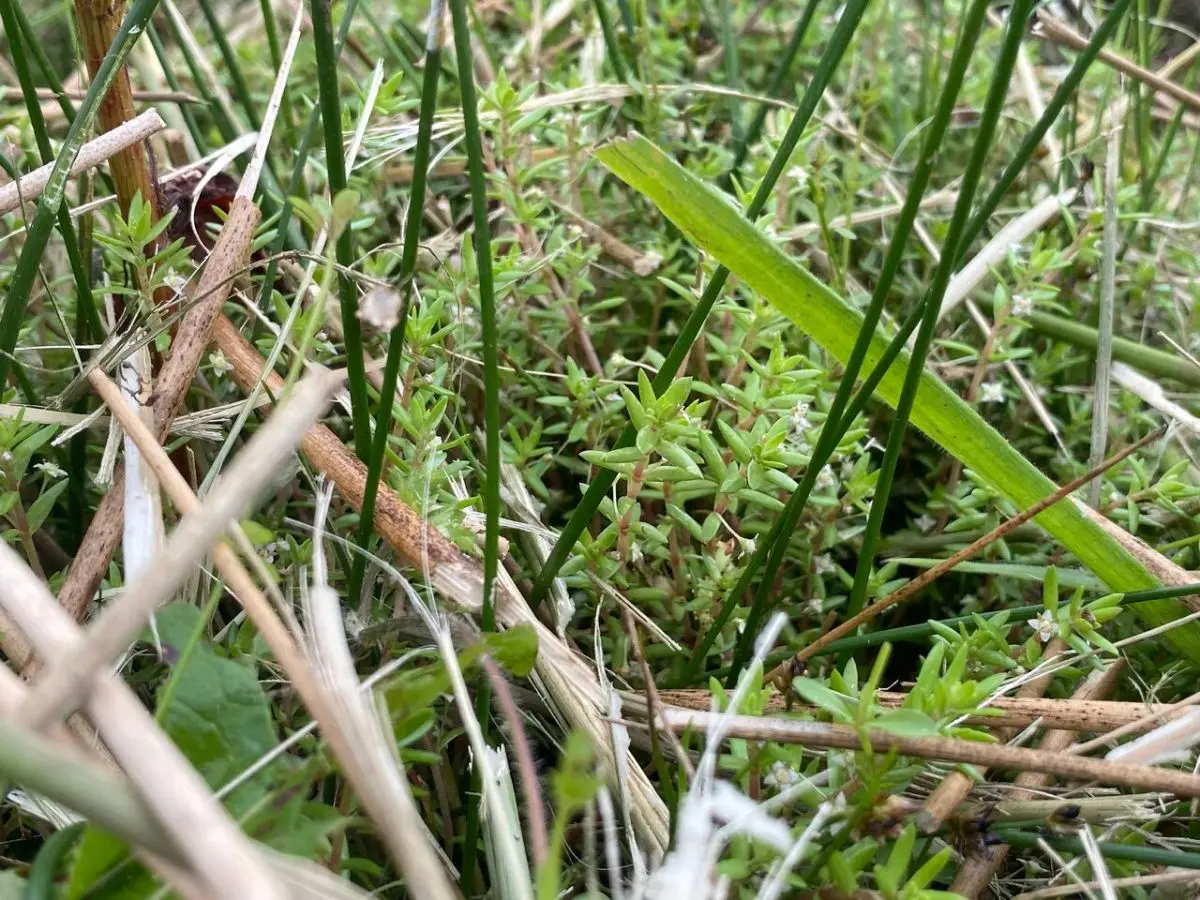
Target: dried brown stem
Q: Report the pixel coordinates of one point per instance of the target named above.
(993, 756)
(1021, 711)
(91, 154)
(792, 666)
(98, 22)
(228, 256)
(1150, 719)
(977, 871)
(1059, 32)
(287, 653)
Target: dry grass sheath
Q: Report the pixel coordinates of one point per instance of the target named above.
(1021, 711)
(264, 457)
(218, 853)
(325, 705)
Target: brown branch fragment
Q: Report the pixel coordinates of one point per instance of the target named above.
(976, 872)
(993, 756)
(103, 536)
(91, 154)
(1021, 711)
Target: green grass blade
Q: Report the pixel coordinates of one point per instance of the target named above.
(1149, 360)
(990, 116)
(837, 423)
(732, 75)
(240, 89)
(718, 228)
(491, 374)
(487, 306)
(38, 233)
(185, 110)
(88, 318)
(598, 489)
(296, 179)
(46, 67)
(87, 321)
(1064, 92)
(778, 74)
(408, 262)
(335, 164)
(610, 41)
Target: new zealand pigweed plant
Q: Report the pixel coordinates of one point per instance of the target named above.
(617, 449)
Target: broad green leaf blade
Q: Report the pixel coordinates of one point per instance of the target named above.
(717, 227)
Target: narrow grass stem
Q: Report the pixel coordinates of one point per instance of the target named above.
(38, 233)
(603, 481)
(993, 106)
(1109, 850)
(408, 260)
(774, 86)
(240, 89)
(487, 305)
(18, 30)
(44, 65)
(1063, 94)
(836, 422)
(491, 380)
(296, 179)
(331, 119)
(610, 42)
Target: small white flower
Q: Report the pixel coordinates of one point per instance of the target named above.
(1021, 305)
(992, 392)
(272, 549)
(825, 479)
(799, 175)
(816, 606)
(798, 427)
(354, 623)
(873, 444)
(925, 522)
(1044, 625)
(823, 565)
(637, 555)
(51, 469)
(782, 776)
(220, 365)
(799, 417)
(749, 545)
